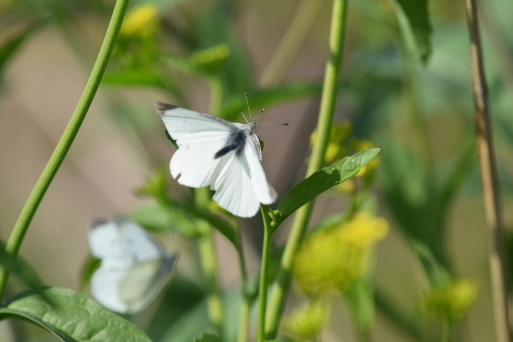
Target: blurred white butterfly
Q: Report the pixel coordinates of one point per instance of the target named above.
(223, 155)
(134, 265)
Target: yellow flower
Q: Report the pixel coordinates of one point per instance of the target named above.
(337, 145)
(140, 21)
(361, 145)
(332, 258)
(452, 301)
(306, 323)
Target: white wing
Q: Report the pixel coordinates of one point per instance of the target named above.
(199, 137)
(134, 266)
(241, 185)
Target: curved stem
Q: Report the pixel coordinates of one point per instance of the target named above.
(328, 100)
(262, 289)
(64, 144)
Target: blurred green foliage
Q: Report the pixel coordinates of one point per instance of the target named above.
(406, 76)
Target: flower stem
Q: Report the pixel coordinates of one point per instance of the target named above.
(64, 144)
(327, 109)
(489, 177)
(262, 289)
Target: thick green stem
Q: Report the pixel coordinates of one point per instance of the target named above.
(328, 100)
(262, 289)
(64, 144)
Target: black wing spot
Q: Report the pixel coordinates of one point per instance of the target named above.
(236, 141)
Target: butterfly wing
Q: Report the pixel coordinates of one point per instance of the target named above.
(199, 137)
(134, 266)
(241, 184)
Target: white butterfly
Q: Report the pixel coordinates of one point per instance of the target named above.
(134, 265)
(223, 155)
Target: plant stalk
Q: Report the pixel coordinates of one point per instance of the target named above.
(282, 284)
(66, 140)
(489, 177)
(245, 304)
(262, 289)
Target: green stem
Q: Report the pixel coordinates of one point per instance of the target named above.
(64, 144)
(246, 295)
(262, 289)
(282, 283)
(209, 266)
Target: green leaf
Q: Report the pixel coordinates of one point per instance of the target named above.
(359, 300)
(158, 218)
(322, 180)
(262, 98)
(413, 17)
(87, 271)
(21, 268)
(208, 337)
(73, 317)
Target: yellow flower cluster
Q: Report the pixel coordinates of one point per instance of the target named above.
(306, 323)
(452, 301)
(332, 258)
(140, 21)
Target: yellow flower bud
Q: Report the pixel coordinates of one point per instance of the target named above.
(306, 323)
(452, 301)
(140, 21)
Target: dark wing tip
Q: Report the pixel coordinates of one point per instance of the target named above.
(163, 107)
(97, 222)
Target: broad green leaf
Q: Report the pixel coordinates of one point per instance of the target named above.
(73, 317)
(88, 268)
(259, 99)
(322, 180)
(437, 274)
(208, 337)
(413, 17)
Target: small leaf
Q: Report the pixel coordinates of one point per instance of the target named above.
(413, 17)
(21, 268)
(208, 337)
(73, 317)
(87, 271)
(359, 299)
(324, 179)
(158, 218)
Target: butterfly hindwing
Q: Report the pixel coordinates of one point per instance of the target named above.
(134, 265)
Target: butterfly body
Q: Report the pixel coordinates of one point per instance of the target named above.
(134, 265)
(223, 155)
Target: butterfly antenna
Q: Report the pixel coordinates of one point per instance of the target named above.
(244, 116)
(258, 114)
(247, 103)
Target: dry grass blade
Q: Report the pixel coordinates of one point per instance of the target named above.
(489, 178)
